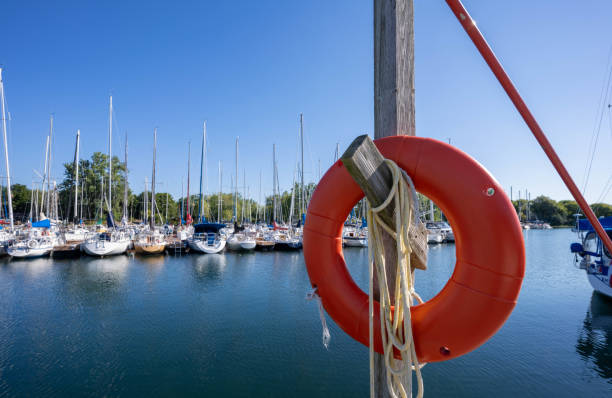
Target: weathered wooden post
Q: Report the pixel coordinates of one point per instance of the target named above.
(394, 114)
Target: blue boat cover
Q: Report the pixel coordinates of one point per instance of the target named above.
(46, 223)
(207, 228)
(585, 225)
(109, 220)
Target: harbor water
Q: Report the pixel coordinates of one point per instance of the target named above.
(238, 325)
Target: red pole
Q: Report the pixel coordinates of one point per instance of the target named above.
(483, 47)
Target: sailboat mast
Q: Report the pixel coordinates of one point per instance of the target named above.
(302, 201)
(6, 155)
(274, 181)
(125, 185)
(110, 155)
(220, 203)
(188, 216)
(243, 192)
(146, 203)
(182, 201)
(152, 222)
(49, 155)
(200, 207)
(76, 176)
(236, 186)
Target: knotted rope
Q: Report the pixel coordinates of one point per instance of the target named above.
(396, 326)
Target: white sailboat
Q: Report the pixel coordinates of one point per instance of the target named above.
(6, 236)
(113, 241)
(240, 240)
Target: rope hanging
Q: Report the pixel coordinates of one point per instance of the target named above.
(396, 327)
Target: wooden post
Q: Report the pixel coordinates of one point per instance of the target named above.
(394, 114)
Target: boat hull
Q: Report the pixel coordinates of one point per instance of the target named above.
(355, 242)
(149, 249)
(288, 246)
(241, 245)
(202, 246)
(600, 283)
(264, 245)
(105, 248)
(28, 253)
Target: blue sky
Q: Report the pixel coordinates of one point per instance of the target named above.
(249, 69)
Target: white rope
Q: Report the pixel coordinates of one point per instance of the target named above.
(396, 328)
(312, 295)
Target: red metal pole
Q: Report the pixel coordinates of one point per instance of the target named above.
(483, 47)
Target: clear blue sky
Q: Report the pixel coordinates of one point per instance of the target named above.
(249, 69)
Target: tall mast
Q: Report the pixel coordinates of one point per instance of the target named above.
(6, 155)
(110, 156)
(125, 184)
(49, 166)
(243, 192)
(42, 186)
(302, 202)
(76, 176)
(146, 203)
(274, 182)
(32, 202)
(236, 186)
(259, 201)
(337, 153)
(201, 208)
(152, 223)
(166, 207)
(188, 216)
(182, 201)
(220, 203)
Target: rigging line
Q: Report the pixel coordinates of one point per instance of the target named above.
(606, 193)
(605, 189)
(599, 109)
(597, 128)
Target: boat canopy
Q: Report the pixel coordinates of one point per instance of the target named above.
(207, 228)
(46, 223)
(585, 225)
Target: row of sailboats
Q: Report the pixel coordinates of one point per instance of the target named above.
(49, 235)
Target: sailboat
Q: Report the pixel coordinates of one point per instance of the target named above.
(207, 237)
(69, 244)
(6, 237)
(240, 240)
(592, 256)
(151, 241)
(114, 241)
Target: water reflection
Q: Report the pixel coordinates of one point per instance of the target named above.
(595, 340)
(208, 267)
(33, 267)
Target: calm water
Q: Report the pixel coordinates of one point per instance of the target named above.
(238, 325)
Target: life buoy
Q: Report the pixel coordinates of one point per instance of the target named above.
(32, 244)
(490, 251)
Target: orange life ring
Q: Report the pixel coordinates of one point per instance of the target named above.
(490, 251)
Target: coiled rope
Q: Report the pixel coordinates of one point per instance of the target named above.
(396, 326)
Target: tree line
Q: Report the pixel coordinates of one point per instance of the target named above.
(93, 192)
(93, 199)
